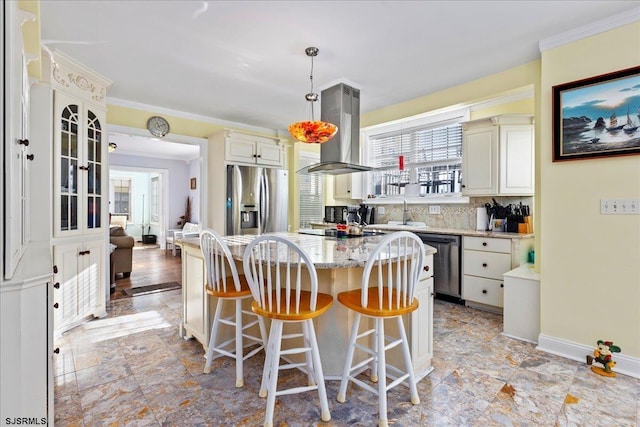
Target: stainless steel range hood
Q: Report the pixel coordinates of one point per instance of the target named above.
(340, 105)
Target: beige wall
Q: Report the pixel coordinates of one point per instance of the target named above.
(590, 263)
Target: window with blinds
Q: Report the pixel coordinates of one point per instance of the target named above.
(310, 192)
(432, 159)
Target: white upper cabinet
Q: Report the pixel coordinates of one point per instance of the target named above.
(498, 156)
(16, 155)
(348, 186)
(253, 150)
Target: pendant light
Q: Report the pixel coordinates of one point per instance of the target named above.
(112, 147)
(312, 131)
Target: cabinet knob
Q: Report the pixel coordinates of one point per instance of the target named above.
(56, 305)
(31, 157)
(484, 264)
(502, 285)
(56, 285)
(87, 252)
(24, 142)
(57, 350)
(426, 268)
(259, 155)
(83, 168)
(484, 291)
(55, 269)
(463, 186)
(484, 243)
(433, 294)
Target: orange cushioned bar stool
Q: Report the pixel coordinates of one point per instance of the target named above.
(224, 283)
(389, 279)
(277, 270)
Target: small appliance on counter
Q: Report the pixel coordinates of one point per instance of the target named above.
(335, 214)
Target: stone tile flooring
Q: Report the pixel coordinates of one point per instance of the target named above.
(131, 368)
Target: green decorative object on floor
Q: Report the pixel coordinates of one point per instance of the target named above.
(603, 355)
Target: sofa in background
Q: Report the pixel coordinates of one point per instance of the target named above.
(123, 253)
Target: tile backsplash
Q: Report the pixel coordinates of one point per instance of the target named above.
(458, 216)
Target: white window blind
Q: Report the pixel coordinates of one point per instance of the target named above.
(310, 192)
(432, 159)
(122, 196)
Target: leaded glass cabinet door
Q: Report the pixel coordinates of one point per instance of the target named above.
(68, 174)
(94, 171)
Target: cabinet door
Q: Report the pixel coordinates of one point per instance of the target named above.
(240, 150)
(422, 327)
(195, 304)
(68, 185)
(347, 186)
(516, 160)
(81, 282)
(93, 176)
(269, 154)
(480, 161)
(16, 106)
(25, 355)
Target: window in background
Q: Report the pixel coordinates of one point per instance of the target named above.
(432, 150)
(122, 197)
(155, 200)
(310, 192)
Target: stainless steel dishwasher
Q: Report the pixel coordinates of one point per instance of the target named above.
(446, 265)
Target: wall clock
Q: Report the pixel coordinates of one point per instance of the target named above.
(158, 126)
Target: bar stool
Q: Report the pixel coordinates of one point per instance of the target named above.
(276, 270)
(388, 282)
(224, 283)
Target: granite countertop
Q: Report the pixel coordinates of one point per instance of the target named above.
(457, 231)
(325, 252)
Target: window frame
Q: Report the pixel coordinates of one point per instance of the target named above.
(433, 119)
(112, 186)
(312, 158)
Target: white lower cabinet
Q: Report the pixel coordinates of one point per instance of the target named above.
(79, 282)
(195, 301)
(484, 262)
(26, 364)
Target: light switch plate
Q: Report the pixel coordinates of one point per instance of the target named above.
(620, 206)
(381, 210)
(434, 210)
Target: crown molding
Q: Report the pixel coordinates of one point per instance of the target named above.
(591, 29)
(189, 116)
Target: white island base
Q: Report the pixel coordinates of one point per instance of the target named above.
(332, 328)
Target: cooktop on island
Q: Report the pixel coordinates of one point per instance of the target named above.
(329, 232)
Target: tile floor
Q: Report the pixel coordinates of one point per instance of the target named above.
(131, 368)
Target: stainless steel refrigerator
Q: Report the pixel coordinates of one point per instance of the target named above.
(257, 200)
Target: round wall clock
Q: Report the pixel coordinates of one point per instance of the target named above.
(158, 126)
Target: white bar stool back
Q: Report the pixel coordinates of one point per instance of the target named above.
(223, 282)
(387, 293)
(277, 270)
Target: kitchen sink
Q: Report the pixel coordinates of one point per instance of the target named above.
(398, 225)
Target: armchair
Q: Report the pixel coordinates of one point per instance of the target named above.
(189, 230)
(123, 254)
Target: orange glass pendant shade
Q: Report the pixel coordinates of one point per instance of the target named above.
(313, 132)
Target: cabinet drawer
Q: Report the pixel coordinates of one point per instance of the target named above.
(489, 244)
(486, 264)
(484, 291)
(427, 270)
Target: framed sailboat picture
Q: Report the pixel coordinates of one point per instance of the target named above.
(597, 117)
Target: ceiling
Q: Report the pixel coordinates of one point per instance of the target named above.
(244, 62)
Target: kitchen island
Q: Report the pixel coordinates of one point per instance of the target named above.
(339, 264)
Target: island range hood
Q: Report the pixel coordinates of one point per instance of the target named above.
(340, 105)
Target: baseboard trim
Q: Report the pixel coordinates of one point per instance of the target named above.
(626, 365)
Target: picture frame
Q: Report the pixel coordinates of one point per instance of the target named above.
(597, 117)
(193, 183)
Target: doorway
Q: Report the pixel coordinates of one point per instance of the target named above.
(150, 180)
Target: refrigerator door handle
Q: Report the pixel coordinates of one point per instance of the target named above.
(264, 202)
(235, 200)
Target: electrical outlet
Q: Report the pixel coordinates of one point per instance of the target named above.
(620, 206)
(381, 210)
(434, 210)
